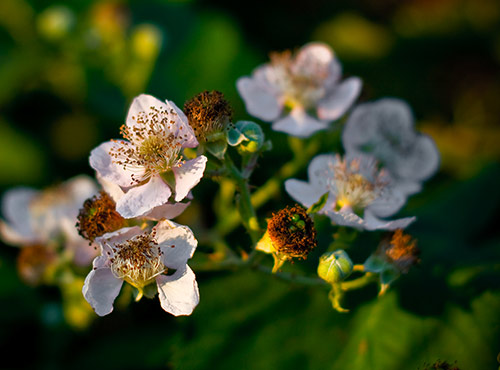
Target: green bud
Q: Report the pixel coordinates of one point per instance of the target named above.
(253, 136)
(334, 266)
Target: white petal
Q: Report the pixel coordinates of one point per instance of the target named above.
(303, 192)
(168, 211)
(188, 175)
(182, 127)
(81, 188)
(388, 203)
(376, 124)
(100, 290)
(178, 293)
(299, 123)
(142, 199)
(141, 105)
(317, 58)
(260, 101)
(345, 217)
(176, 241)
(374, 223)
(320, 171)
(15, 208)
(421, 162)
(119, 236)
(100, 160)
(114, 191)
(338, 101)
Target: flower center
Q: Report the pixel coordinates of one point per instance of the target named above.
(154, 144)
(301, 83)
(137, 261)
(98, 216)
(354, 189)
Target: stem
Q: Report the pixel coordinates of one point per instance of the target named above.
(359, 282)
(246, 209)
(272, 187)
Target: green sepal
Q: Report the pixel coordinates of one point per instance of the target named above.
(217, 148)
(150, 290)
(316, 207)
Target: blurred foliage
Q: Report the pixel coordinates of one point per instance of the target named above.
(68, 71)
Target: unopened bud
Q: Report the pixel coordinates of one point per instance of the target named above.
(334, 266)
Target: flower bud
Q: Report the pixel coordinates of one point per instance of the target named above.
(209, 114)
(98, 217)
(334, 266)
(253, 136)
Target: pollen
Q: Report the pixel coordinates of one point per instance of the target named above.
(208, 113)
(98, 217)
(402, 251)
(292, 232)
(154, 145)
(138, 261)
(354, 189)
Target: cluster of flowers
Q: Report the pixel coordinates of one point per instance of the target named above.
(385, 160)
(145, 180)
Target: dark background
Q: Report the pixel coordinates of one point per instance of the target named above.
(68, 72)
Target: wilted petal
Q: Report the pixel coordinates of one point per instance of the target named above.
(339, 100)
(142, 199)
(188, 175)
(178, 293)
(176, 241)
(100, 160)
(299, 123)
(100, 290)
(259, 100)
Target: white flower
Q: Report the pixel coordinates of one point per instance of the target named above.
(143, 258)
(286, 90)
(385, 129)
(149, 167)
(355, 187)
(34, 217)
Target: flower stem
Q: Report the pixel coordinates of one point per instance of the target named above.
(359, 282)
(245, 207)
(272, 187)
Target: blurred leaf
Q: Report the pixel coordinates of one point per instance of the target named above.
(20, 159)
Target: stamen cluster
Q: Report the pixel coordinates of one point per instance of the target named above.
(98, 217)
(208, 113)
(154, 144)
(356, 188)
(137, 261)
(292, 232)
